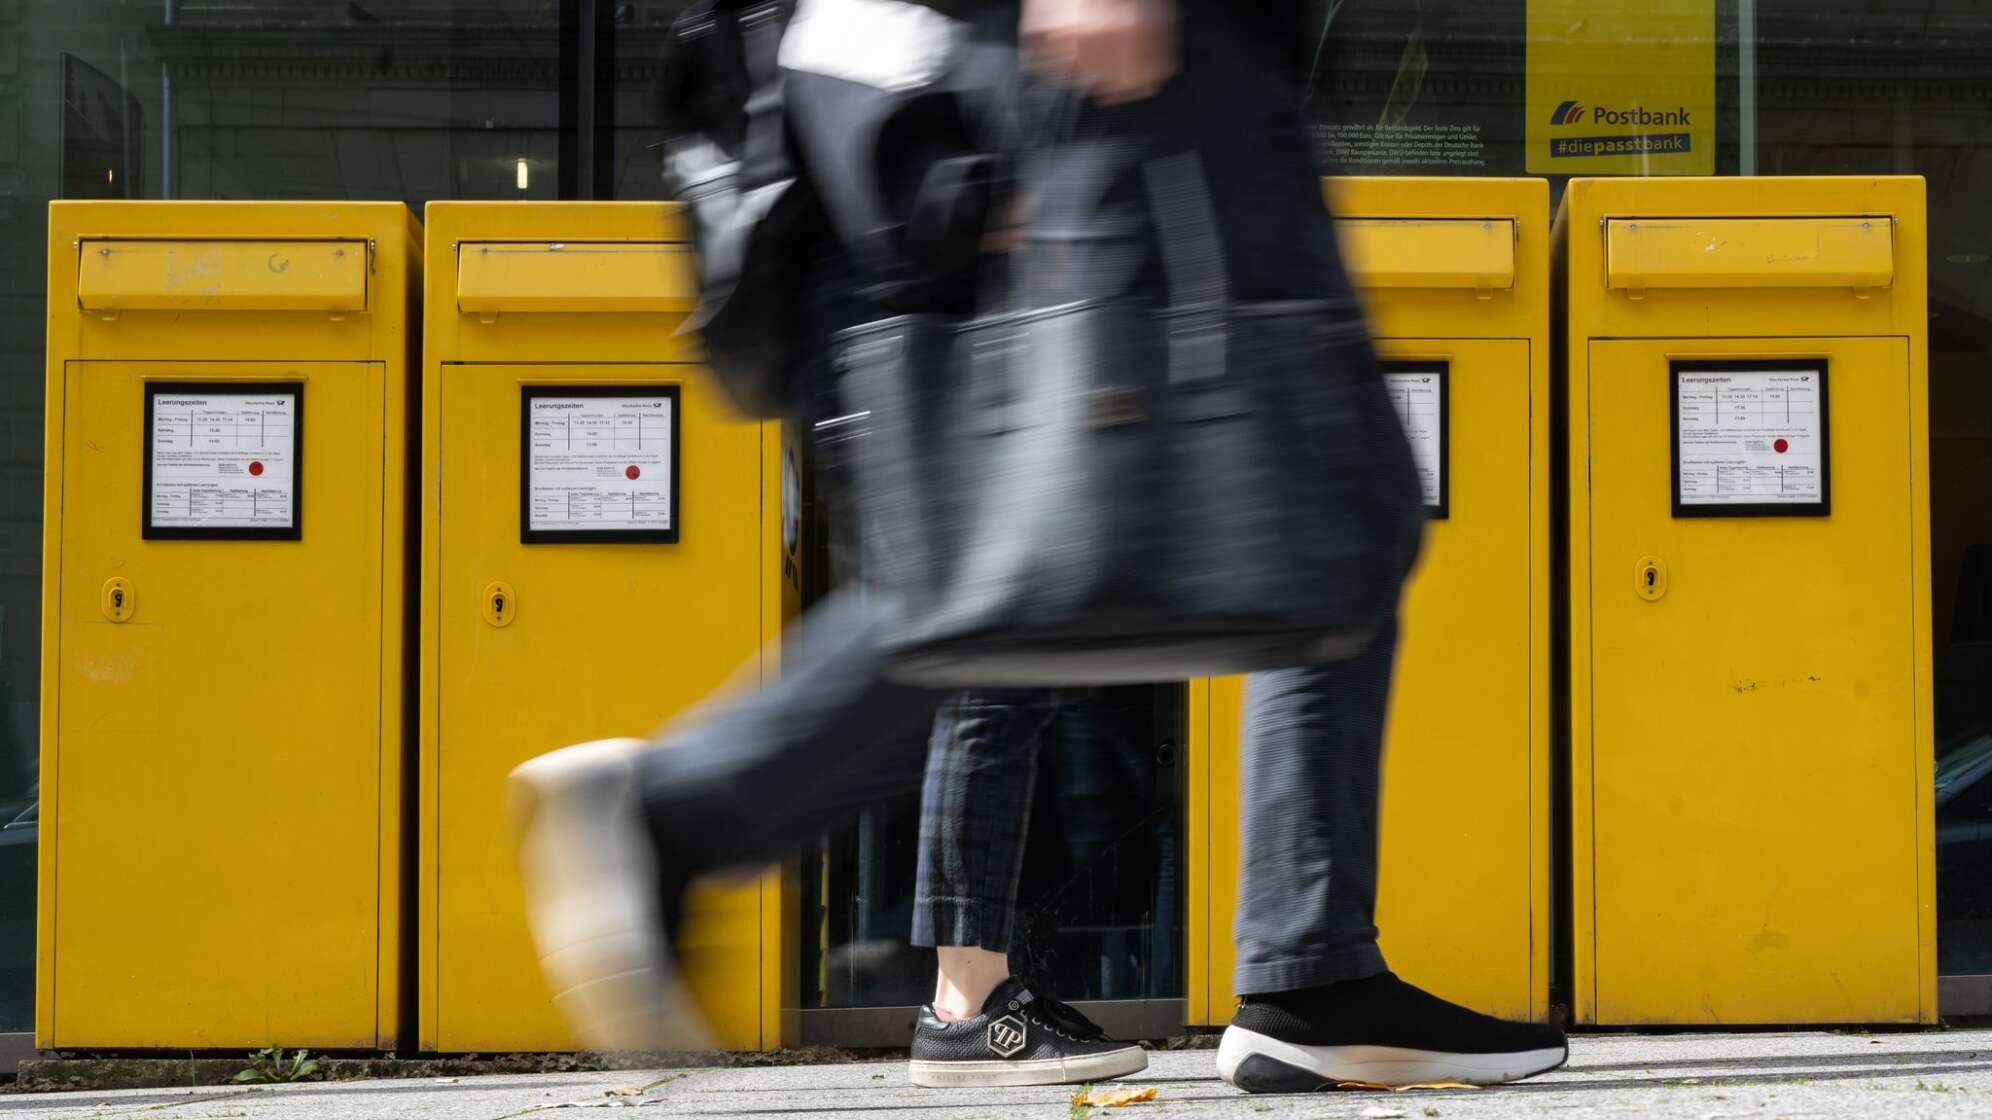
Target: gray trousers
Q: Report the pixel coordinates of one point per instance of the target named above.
(754, 780)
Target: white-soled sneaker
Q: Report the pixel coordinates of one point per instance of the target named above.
(1378, 1030)
(595, 899)
(1019, 1039)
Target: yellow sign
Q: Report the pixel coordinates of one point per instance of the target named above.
(1623, 88)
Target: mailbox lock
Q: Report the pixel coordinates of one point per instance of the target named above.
(117, 600)
(501, 605)
(1649, 578)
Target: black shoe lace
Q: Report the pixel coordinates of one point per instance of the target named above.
(1064, 1020)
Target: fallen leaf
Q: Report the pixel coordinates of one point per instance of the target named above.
(625, 1091)
(1114, 1098)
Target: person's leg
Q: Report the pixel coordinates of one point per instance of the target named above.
(1312, 770)
(1319, 1005)
(975, 811)
(612, 833)
(985, 1026)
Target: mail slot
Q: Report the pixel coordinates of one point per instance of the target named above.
(1455, 278)
(1423, 252)
(1857, 251)
(1749, 601)
(225, 610)
(222, 274)
(575, 276)
(604, 546)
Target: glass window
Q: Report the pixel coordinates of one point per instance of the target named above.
(243, 99)
(1098, 892)
(1099, 896)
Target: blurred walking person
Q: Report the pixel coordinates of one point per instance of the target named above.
(612, 833)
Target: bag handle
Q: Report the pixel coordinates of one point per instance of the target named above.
(764, 155)
(1193, 264)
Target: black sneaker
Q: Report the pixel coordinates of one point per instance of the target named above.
(1019, 1039)
(1378, 1030)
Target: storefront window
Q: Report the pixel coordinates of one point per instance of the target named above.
(428, 99)
(1099, 902)
(249, 99)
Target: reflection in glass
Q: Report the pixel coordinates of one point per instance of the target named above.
(222, 99)
(1099, 900)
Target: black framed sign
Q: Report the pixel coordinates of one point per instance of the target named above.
(1751, 439)
(224, 460)
(598, 463)
(1420, 391)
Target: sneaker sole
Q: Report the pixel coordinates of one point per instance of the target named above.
(1037, 1071)
(1257, 1063)
(588, 871)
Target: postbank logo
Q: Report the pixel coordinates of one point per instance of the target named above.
(1570, 112)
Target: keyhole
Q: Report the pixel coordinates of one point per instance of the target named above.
(1652, 577)
(498, 605)
(117, 598)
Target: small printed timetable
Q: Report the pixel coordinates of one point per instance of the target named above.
(1418, 392)
(599, 463)
(1750, 437)
(222, 460)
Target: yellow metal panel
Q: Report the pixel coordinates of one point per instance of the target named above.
(1516, 310)
(628, 635)
(608, 639)
(1212, 941)
(1856, 252)
(305, 749)
(1876, 340)
(1755, 836)
(1464, 832)
(782, 532)
(128, 275)
(1476, 253)
(221, 759)
(1198, 818)
(1899, 309)
(1453, 815)
(575, 276)
(1474, 665)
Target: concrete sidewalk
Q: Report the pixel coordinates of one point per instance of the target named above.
(1703, 1077)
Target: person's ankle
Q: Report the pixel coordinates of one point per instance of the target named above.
(967, 977)
(955, 1011)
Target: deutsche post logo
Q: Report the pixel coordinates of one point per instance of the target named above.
(1006, 1037)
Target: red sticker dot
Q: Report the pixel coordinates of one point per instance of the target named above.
(255, 468)
(1781, 446)
(633, 473)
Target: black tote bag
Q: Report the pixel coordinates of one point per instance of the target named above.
(1106, 491)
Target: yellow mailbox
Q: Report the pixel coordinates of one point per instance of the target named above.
(603, 544)
(1455, 275)
(224, 611)
(1749, 600)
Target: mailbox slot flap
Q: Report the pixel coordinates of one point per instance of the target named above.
(575, 276)
(144, 275)
(1846, 252)
(1475, 253)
